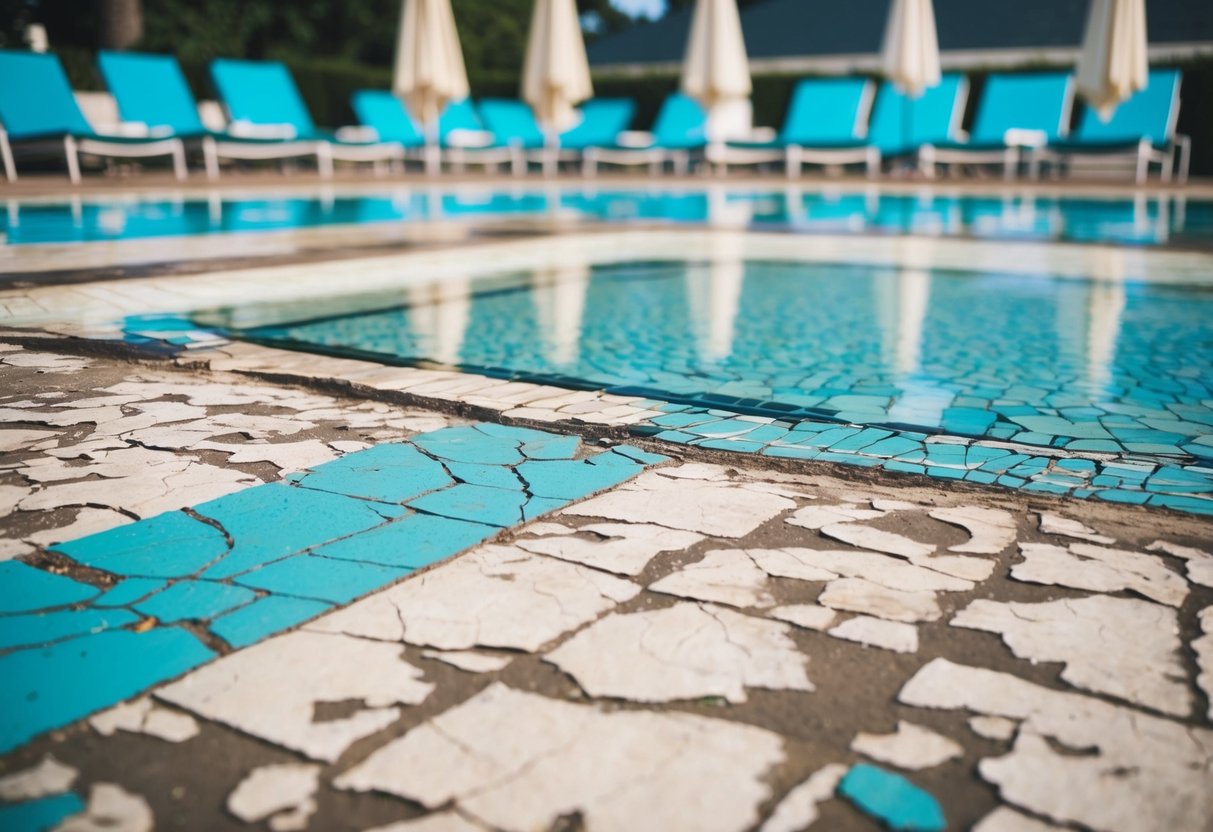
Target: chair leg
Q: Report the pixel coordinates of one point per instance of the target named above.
(210, 158)
(682, 163)
(73, 159)
(1010, 163)
(6, 150)
(1143, 164)
(872, 162)
(517, 161)
(324, 160)
(926, 161)
(179, 168)
(589, 162)
(793, 157)
(1185, 157)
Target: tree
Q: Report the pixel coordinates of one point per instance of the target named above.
(121, 24)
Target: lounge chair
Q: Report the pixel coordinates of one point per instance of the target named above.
(263, 102)
(513, 125)
(602, 121)
(681, 127)
(901, 125)
(152, 90)
(465, 139)
(386, 114)
(1142, 129)
(826, 124)
(1017, 113)
(37, 106)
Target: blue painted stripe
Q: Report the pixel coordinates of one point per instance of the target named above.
(265, 559)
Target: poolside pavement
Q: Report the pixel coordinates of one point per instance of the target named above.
(247, 588)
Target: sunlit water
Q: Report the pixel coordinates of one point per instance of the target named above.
(1088, 366)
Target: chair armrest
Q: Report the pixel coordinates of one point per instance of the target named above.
(635, 138)
(248, 130)
(1016, 137)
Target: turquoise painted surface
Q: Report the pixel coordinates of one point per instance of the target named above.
(1138, 222)
(267, 558)
(892, 799)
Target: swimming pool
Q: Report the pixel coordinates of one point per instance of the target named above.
(1149, 221)
(1082, 366)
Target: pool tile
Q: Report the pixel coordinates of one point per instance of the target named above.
(128, 591)
(34, 629)
(169, 545)
(892, 799)
(53, 686)
(574, 479)
(271, 521)
(477, 503)
(410, 542)
(194, 601)
(320, 578)
(390, 473)
(265, 617)
(493, 476)
(25, 589)
(466, 444)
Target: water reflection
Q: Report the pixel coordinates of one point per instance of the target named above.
(1004, 356)
(1142, 220)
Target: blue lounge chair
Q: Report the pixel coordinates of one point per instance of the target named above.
(37, 106)
(602, 120)
(1142, 128)
(826, 124)
(263, 102)
(465, 139)
(152, 90)
(1016, 112)
(386, 114)
(901, 125)
(680, 128)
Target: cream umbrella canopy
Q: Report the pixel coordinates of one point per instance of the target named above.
(556, 73)
(429, 63)
(1113, 63)
(910, 55)
(716, 69)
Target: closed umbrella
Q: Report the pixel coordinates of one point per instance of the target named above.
(556, 74)
(1113, 63)
(429, 63)
(715, 69)
(910, 55)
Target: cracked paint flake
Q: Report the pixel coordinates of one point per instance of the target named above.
(862, 596)
(808, 616)
(875, 632)
(993, 727)
(828, 564)
(517, 760)
(473, 661)
(271, 690)
(991, 529)
(111, 808)
(284, 793)
(1121, 768)
(686, 651)
(818, 517)
(798, 810)
(723, 576)
(1203, 648)
(48, 777)
(1056, 524)
(719, 509)
(1099, 569)
(910, 747)
(622, 548)
(1123, 647)
(878, 540)
(508, 599)
(437, 822)
(145, 717)
(1006, 819)
(1197, 562)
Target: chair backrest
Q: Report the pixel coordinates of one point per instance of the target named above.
(681, 123)
(512, 122)
(901, 124)
(261, 92)
(36, 99)
(386, 114)
(1037, 101)
(458, 115)
(1147, 114)
(151, 89)
(827, 111)
(602, 120)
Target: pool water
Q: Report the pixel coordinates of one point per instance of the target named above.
(1086, 366)
(1138, 221)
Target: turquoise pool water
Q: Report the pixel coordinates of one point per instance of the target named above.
(1093, 367)
(1162, 221)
